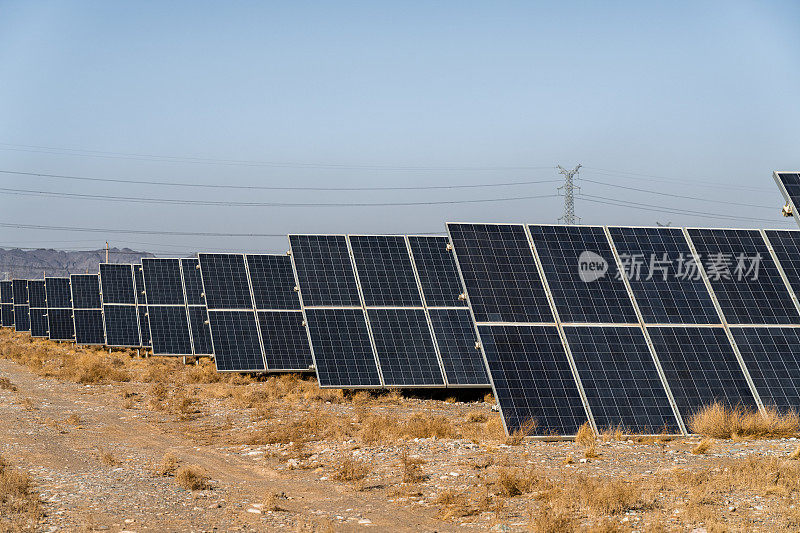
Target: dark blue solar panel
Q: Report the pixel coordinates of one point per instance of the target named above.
(570, 257)
(791, 183)
(786, 245)
(192, 282)
(285, 340)
(456, 338)
(22, 320)
(59, 294)
(116, 282)
(745, 280)
(7, 315)
(664, 277)
(121, 325)
(20, 290)
(620, 379)
(405, 348)
(342, 350)
(6, 292)
(324, 270)
(89, 326)
(144, 325)
(437, 270)
(138, 279)
(201, 331)
(273, 282)
(38, 322)
(37, 297)
(162, 281)
(385, 271)
(225, 281)
(531, 378)
(169, 329)
(60, 324)
(772, 357)
(85, 291)
(141, 305)
(500, 273)
(701, 368)
(235, 338)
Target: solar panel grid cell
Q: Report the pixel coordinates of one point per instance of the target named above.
(285, 340)
(58, 293)
(201, 331)
(7, 315)
(37, 295)
(325, 270)
(455, 336)
(192, 281)
(6, 292)
(38, 318)
(22, 320)
(20, 290)
(169, 330)
(225, 281)
(60, 324)
(437, 271)
(85, 291)
(273, 282)
(385, 272)
(89, 326)
(791, 182)
(236, 343)
(116, 282)
(162, 281)
(121, 325)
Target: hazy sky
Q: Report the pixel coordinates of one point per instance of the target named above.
(698, 99)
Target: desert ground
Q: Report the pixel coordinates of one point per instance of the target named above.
(99, 441)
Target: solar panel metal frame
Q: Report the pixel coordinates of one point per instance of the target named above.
(74, 324)
(38, 310)
(188, 306)
(141, 306)
(360, 307)
(7, 304)
(58, 308)
(183, 305)
(251, 309)
(785, 193)
(104, 304)
(21, 309)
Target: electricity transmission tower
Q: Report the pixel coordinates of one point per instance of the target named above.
(569, 201)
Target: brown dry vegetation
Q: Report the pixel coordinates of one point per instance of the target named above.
(192, 477)
(722, 422)
(19, 502)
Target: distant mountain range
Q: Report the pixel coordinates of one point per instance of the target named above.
(34, 264)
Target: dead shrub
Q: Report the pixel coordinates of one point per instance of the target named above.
(412, 468)
(454, 504)
(591, 451)
(547, 519)
(93, 369)
(422, 425)
(192, 477)
(351, 470)
(526, 429)
(273, 502)
(795, 455)
(477, 416)
(74, 420)
(722, 422)
(607, 497)
(168, 466)
(6, 384)
(517, 481)
(107, 458)
(702, 447)
(20, 507)
(612, 433)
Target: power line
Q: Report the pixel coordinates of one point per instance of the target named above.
(237, 162)
(697, 182)
(226, 203)
(275, 188)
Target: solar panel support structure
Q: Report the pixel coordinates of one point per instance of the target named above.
(786, 195)
(724, 320)
(303, 310)
(662, 376)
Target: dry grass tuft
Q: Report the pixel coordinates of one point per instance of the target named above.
(350, 470)
(412, 468)
(702, 447)
(526, 429)
(192, 477)
(516, 481)
(27, 404)
(795, 455)
(168, 466)
(5, 384)
(454, 504)
(585, 435)
(20, 507)
(549, 520)
(721, 422)
(591, 451)
(107, 458)
(273, 502)
(476, 417)
(74, 420)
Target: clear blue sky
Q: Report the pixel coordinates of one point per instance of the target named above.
(703, 95)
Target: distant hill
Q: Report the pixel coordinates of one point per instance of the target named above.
(34, 264)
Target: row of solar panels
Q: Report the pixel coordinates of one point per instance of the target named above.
(618, 326)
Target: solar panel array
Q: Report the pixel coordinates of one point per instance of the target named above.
(385, 310)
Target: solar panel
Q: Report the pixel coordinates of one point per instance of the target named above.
(192, 282)
(225, 281)
(273, 282)
(286, 344)
(789, 185)
(786, 245)
(500, 273)
(38, 318)
(324, 270)
(385, 272)
(162, 281)
(37, 296)
(116, 282)
(664, 276)
(7, 312)
(700, 367)
(236, 344)
(121, 325)
(22, 320)
(59, 295)
(580, 294)
(6, 292)
(169, 330)
(6, 307)
(532, 379)
(455, 336)
(144, 325)
(342, 350)
(60, 324)
(20, 290)
(141, 305)
(85, 291)
(405, 348)
(772, 358)
(745, 280)
(89, 326)
(437, 271)
(201, 331)
(620, 379)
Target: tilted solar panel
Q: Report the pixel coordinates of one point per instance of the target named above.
(38, 318)
(141, 304)
(324, 270)
(37, 296)
(789, 185)
(532, 379)
(437, 270)
(162, 281)
(121, 325)
(192, 282)
(89, 326)
(169, 330)
(236, 344)
(273, 282)
(385, 272)
(6, 292)
(405, 348)
(567, 254)
(7, 315)
(772, 357)
(167, 315)
(620, 379)
(745, 280)
(60, 324)
(116, 282)
(225, 281)
(20, 290)
(500, 273)
(701, 368)
(22, 319)
(663, 275)
(59, 295)
(286, 346)
(342, 349)
(144, 325)
(7, 307)
(455, 336)
(85, 291)
(786, 245)
(201, 331)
